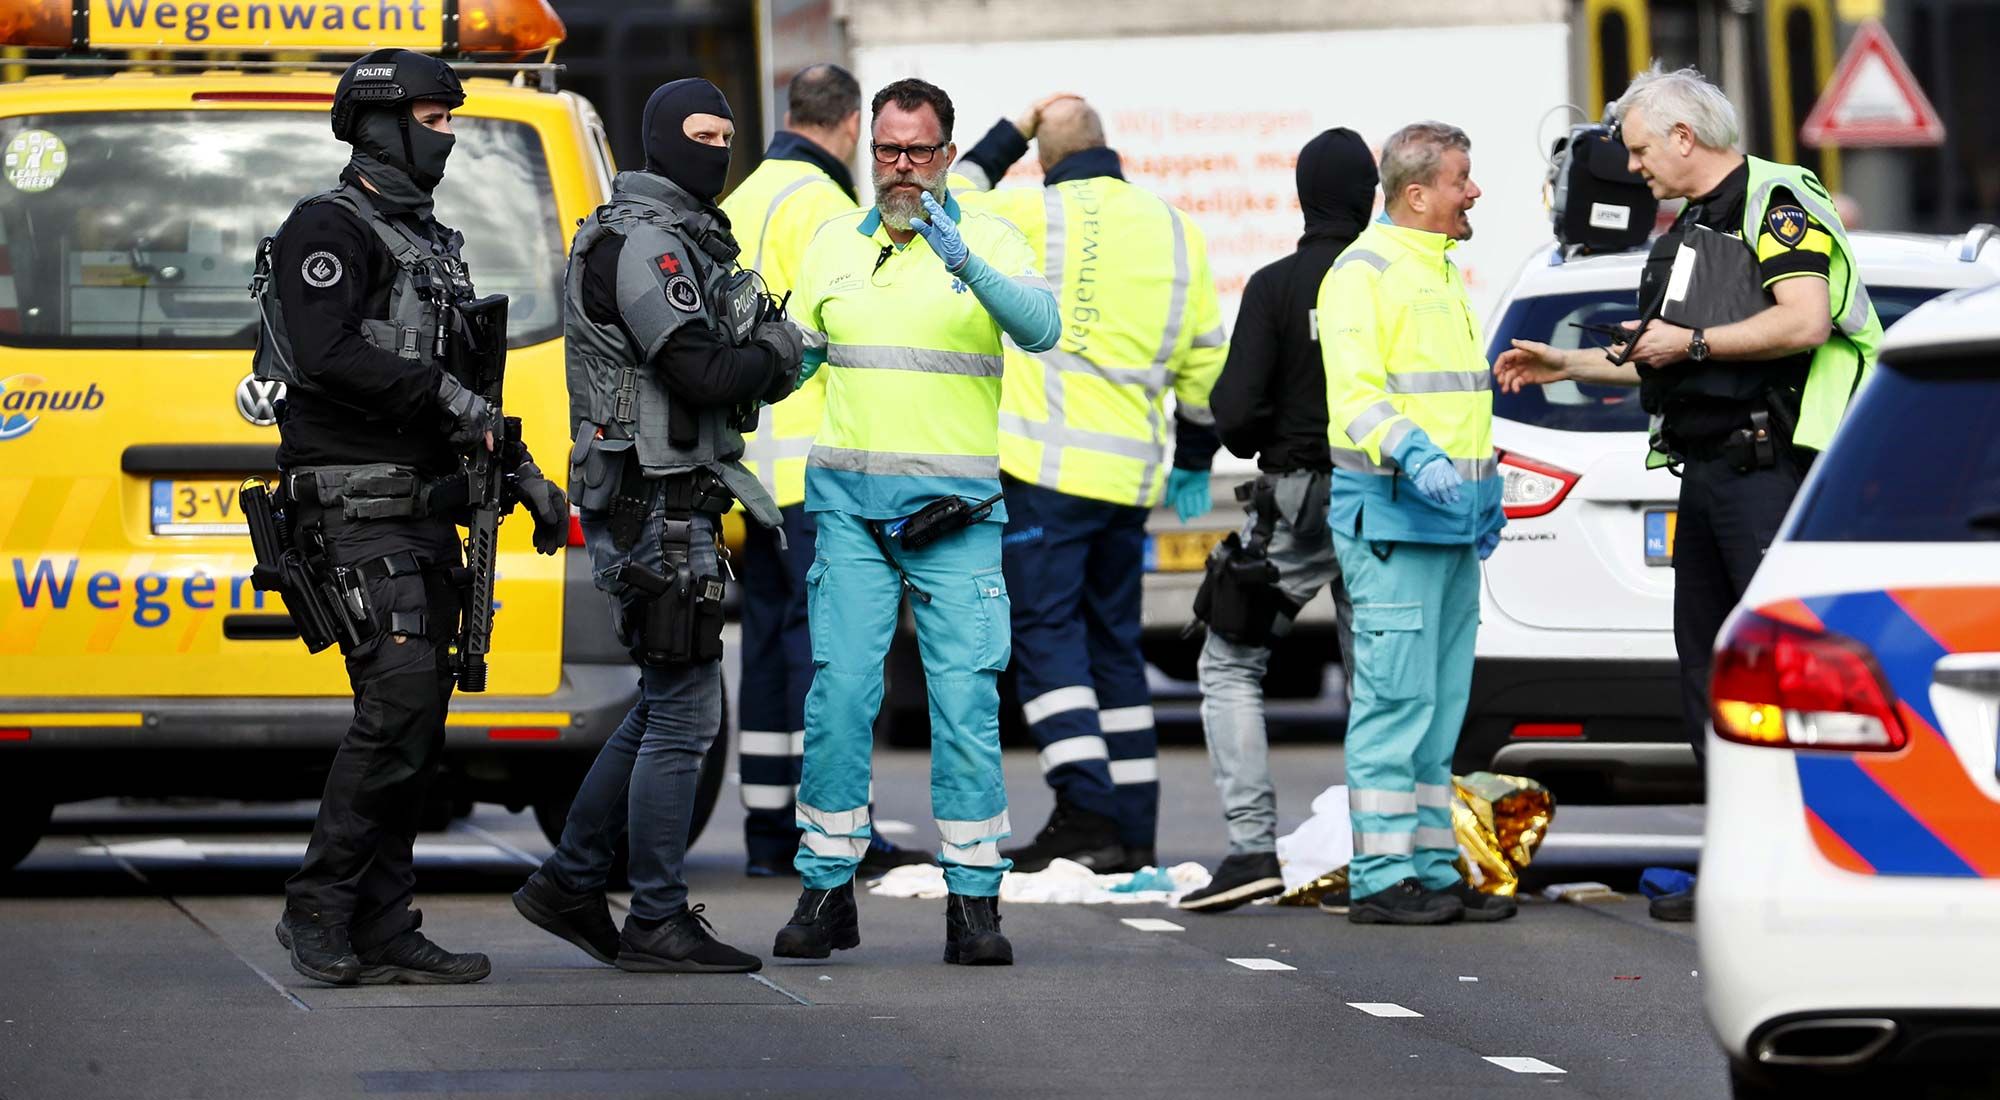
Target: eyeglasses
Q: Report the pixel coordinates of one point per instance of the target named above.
(918, 154)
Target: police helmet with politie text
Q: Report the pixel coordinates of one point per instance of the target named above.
(391, 78)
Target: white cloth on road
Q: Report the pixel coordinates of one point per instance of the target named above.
(1324, 843)
(1064, 883)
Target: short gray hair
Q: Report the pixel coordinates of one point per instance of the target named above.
(1414, 154)
(1683, 97)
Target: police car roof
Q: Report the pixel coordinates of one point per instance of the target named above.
(1901, 259)
(1964, 321)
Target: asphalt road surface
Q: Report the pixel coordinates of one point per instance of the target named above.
(137, 960)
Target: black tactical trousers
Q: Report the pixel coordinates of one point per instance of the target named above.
(1727, 520)
(358, 869)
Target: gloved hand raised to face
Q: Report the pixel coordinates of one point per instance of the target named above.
(471, 416)
(1439, 480)
(942, 233)
(544, 500)
(1188, 492)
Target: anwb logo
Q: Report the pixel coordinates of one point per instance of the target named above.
(24, 400)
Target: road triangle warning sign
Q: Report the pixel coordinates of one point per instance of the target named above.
(1872, 99)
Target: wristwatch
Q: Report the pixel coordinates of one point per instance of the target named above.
(1698, 347)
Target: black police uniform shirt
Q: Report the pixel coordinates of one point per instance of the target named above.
(1705, 401)
(696, 364)
(332, 272)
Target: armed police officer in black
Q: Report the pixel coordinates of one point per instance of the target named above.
(360, 292)
(671, 348)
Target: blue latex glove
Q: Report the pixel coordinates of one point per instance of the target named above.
(1439, 480)
(1488, 542)
(814, 359)
(942, 233)
(1187, 491)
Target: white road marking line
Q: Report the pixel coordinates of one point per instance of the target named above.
(1467, 978)
(892, 827)
(1386, 1010)
(1262, 964)
(1525, 1065)
(181, 849)
(1151, 924)
(1672, 842)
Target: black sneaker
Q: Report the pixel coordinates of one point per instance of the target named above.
(412, 959)
(884, 856)
(319, 950)
(1407, 902)
(1076, 835)
(582, 919)
(1481, 907)
(1241, 878)
(1678, 908)
(684, 943)
(972, 932)
(825, 921)
(1337, 902)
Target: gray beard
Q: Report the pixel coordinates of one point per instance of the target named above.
(898, 210)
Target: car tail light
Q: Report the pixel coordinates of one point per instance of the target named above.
(1546, 730)
(1529, 488)
(1775, 683)
(575, 527)
(524, 733)
(14, 734)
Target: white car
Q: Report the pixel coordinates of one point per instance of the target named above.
(1848, 901)
(1576, 680)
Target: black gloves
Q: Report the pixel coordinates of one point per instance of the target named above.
(543, 499)
(789, 344)
(471, 417)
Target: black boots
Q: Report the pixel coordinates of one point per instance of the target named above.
(682, 944)
(320, 951)
(1407, 902)
(824, 922)
(582, 919)
(972, 932)
(1482, 907)
(1076, 835)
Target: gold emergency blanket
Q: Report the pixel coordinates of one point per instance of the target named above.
(1499, 821)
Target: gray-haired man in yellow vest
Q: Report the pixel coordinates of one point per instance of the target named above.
(1741, 407)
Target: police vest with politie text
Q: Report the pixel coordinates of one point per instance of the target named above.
(677, 267)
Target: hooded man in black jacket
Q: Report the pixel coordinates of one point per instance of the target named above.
(1271, 402)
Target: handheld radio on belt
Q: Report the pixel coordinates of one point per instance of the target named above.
(939, 518)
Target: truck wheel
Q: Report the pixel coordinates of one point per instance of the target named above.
(23, 819)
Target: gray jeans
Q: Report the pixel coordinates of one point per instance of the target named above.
(1232, 691)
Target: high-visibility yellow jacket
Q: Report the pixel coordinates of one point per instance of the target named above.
(1406, 382)
(774, 214)
(912, 364)
(1140, 318)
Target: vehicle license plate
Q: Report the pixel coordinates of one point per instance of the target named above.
(1180, 551)
(198, 507)
(1660, 524)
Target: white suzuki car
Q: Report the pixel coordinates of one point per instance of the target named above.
(1849, 913)
(1576, 679)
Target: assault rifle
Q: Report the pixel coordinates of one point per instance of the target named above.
(480, 361)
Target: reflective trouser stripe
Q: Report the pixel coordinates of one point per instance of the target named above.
(1434, 796)
(764, 796)
(1363, 801)
(836, 847)
(1385, 844)
(974, 843)
(765, 743)
(1146, 770)
(852, 822)
(1125, 719)
(1060, 701)
(1430, 836)
(1074, 750)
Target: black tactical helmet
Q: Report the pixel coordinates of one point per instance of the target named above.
(390, 78)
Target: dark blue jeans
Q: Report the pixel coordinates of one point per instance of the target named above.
(644, 778)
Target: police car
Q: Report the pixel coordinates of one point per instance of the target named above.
(1576, 680)
(1848, 891)
(135, 657)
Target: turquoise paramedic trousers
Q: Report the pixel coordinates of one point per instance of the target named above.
(1416, 613)
(960, 603)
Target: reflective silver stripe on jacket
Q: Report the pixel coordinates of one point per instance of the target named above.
(923, 360)
(905, 465)
(785, 192)
(1361, 256)
(1471, 469)
(1440, 381)
(763, 448)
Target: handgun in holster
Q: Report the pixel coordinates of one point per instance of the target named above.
(326, 608)
(937, 519)
(677, 617)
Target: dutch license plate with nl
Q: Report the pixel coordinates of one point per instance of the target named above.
(198, 506)
(1660, 525)
(1180, 551)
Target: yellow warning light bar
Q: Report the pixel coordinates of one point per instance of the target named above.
(511, 27)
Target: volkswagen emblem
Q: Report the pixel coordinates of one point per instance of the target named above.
(258, 400)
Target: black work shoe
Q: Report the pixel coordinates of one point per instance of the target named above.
(1481, 907)
(884, 856)
(824, 922)
(1407, 902)
(1241, 878)
(1336, 902)
(582, 919)
(972, 932)
(320, 951)
(1678, 908)
(684, 943)
(770, 867)
(1076, 835)
(412, 959)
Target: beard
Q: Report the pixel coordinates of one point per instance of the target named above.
(1464, 228)
(898, 207)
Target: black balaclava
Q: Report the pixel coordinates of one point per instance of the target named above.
(700, 170)
(404, 175)
(1337, 178)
